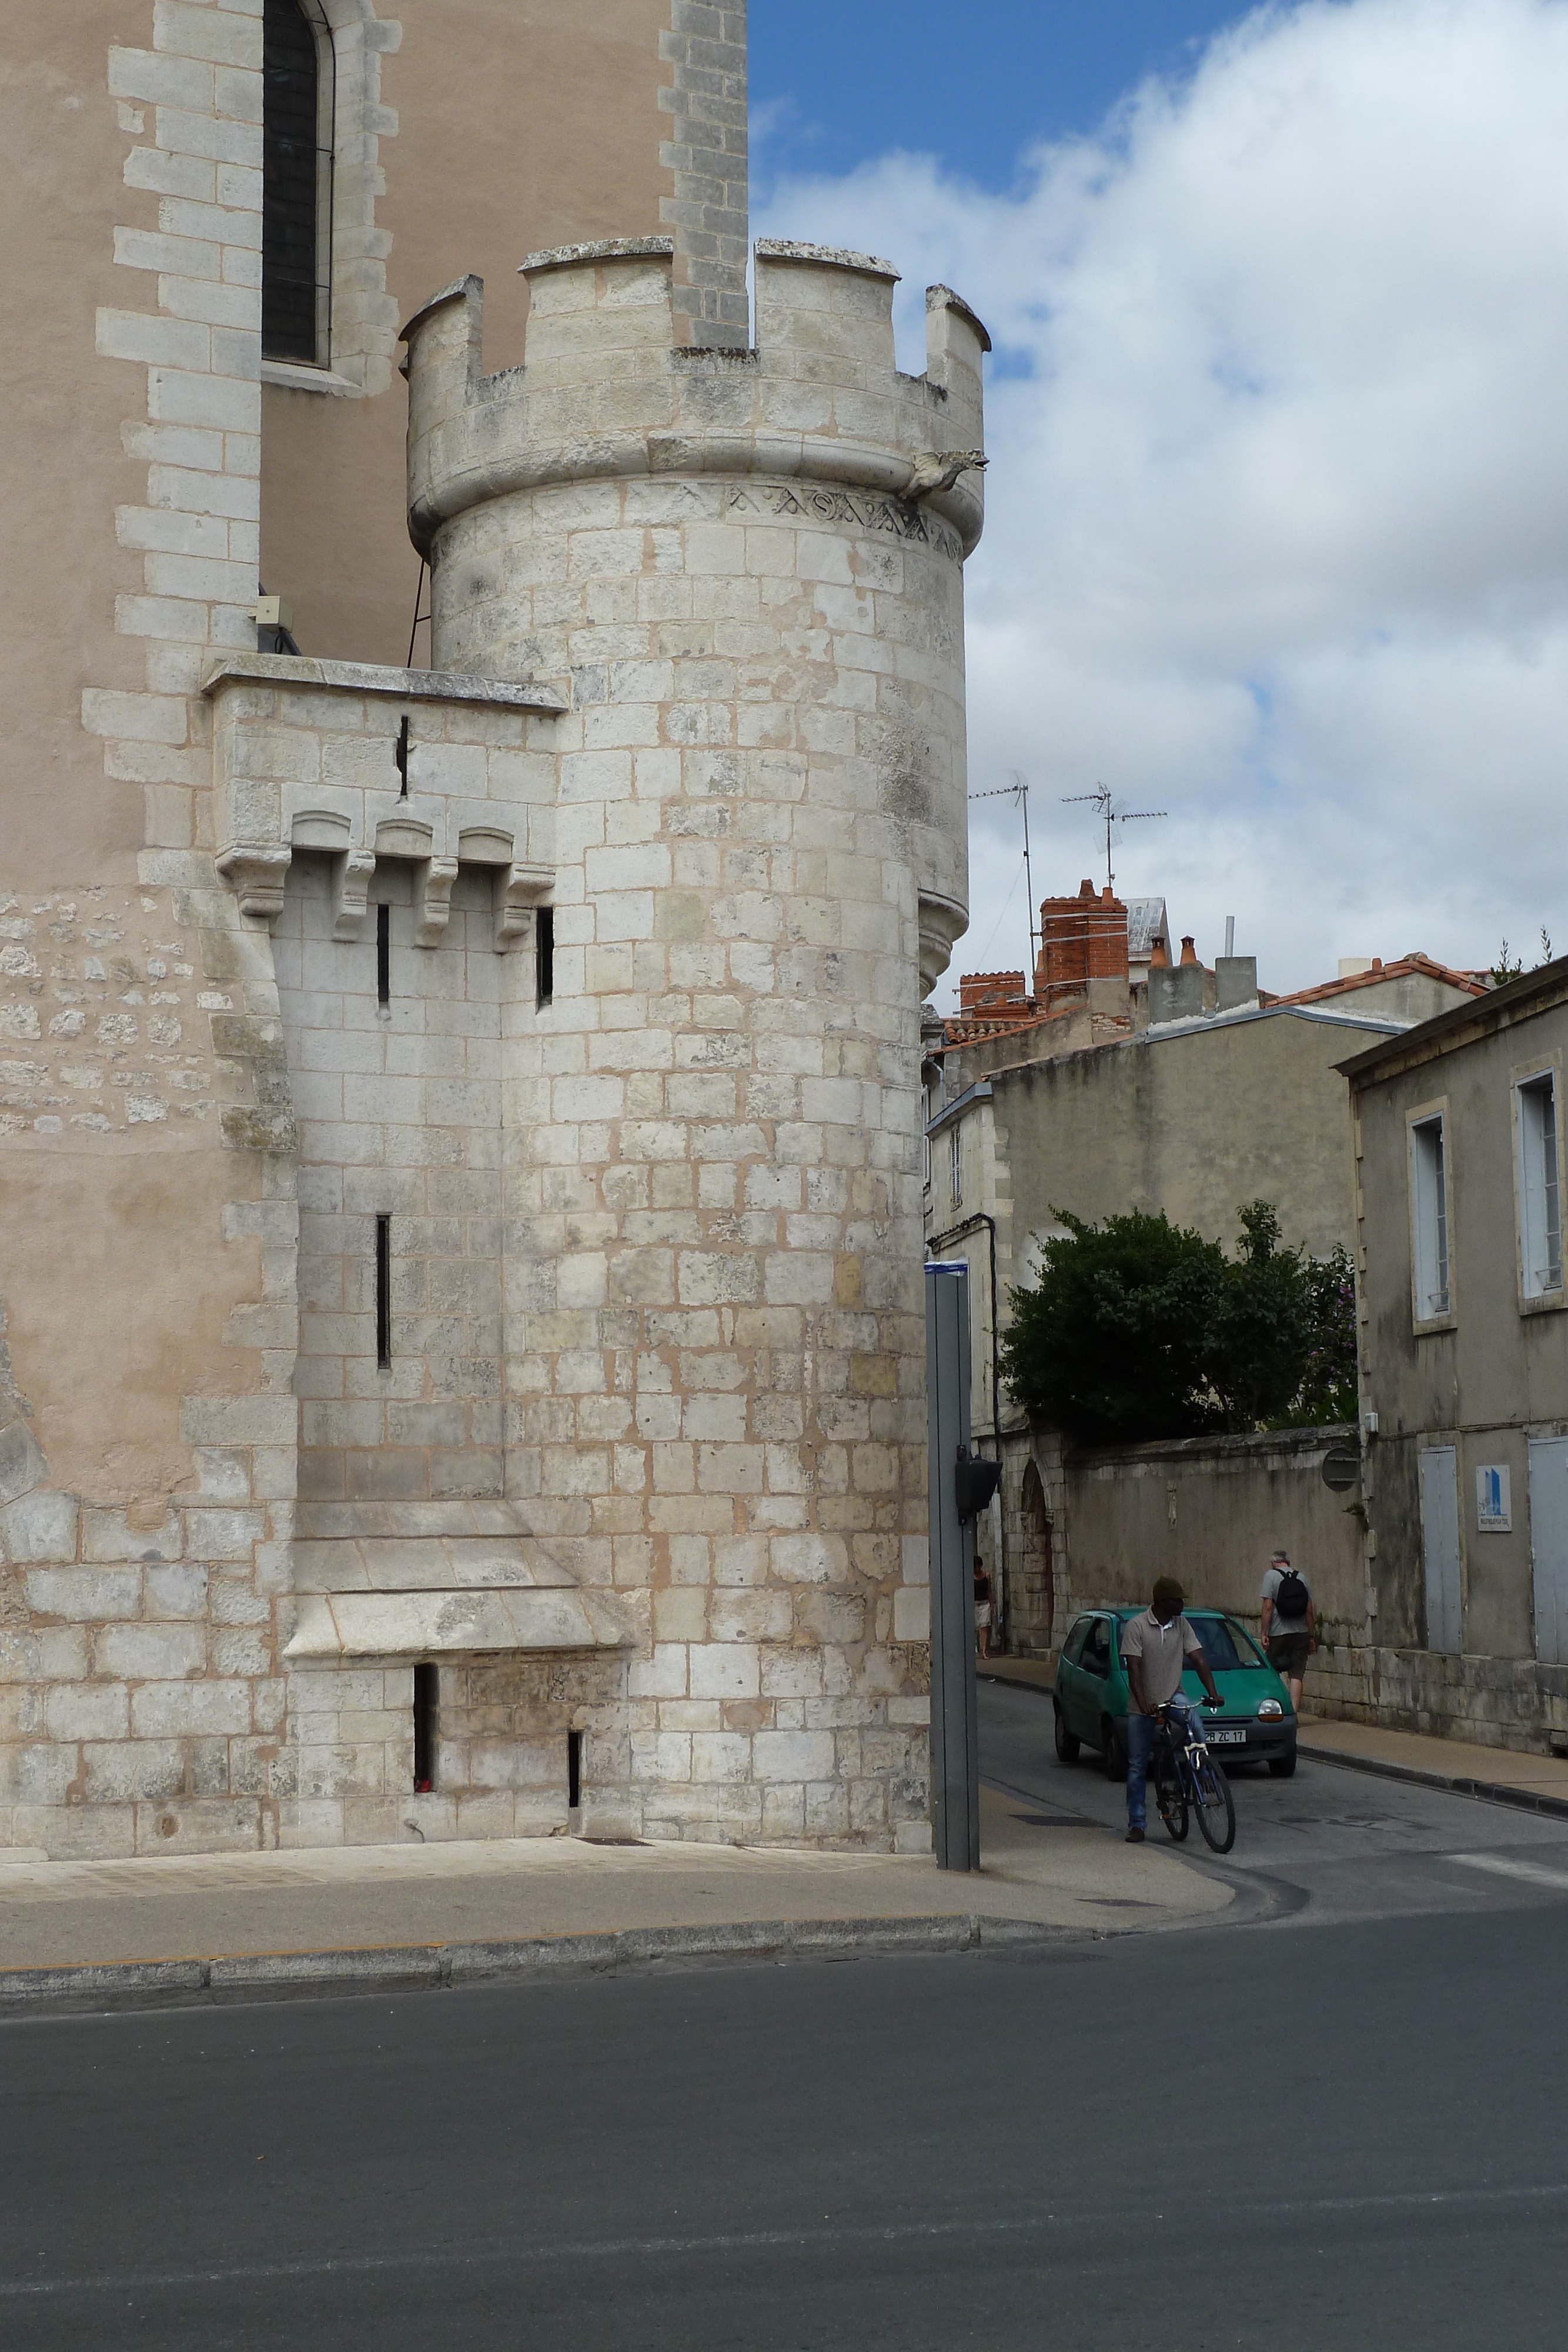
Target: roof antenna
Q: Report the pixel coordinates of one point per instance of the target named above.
(1111, 815)
(1018, 791)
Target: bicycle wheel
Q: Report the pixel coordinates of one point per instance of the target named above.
(1169, 1794)
(1216, 1811)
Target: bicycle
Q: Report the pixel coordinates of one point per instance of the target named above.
(1187, 1781)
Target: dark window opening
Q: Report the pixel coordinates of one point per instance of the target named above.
(544, 955)
(574, 1768)
(383, 955)
(424, 1695)
(289, 166)
(401, 756)
(383, 1293)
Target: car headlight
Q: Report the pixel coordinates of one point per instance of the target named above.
(1271, 1710)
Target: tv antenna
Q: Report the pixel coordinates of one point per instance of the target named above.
(1018, 791)
(1111, 815)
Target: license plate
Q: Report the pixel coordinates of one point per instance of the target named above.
(1218, 1739)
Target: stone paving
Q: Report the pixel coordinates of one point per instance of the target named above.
(1069, 1875)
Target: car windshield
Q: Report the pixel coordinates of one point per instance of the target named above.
(1228, 1648)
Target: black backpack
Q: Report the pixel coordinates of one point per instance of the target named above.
(1292, 1599)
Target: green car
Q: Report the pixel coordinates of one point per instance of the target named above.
(1257, 1724)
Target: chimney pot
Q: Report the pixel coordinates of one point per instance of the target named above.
(1188, 953)
(1158, 959)
(1086, 889)
(1377, 963)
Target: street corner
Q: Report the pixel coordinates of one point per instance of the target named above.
(1086, 1873)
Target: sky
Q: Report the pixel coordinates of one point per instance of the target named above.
(1278, 535)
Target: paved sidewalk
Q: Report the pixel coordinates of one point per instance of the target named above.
(1037, 1871)
(1538, 1783)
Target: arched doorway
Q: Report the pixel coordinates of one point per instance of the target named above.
(1036, 1577)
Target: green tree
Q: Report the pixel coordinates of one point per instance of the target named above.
(1262, 1331)
(1137, 1328)
(1114, 1341)
(1328, 1390)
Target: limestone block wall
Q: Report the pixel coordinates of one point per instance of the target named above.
(399, 1111)
(713, 1322)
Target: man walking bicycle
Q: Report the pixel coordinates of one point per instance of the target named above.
(1154, 1648)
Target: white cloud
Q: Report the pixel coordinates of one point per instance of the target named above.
(1279, 490)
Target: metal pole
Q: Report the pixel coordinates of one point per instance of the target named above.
(955, 1731)
(1028, 886)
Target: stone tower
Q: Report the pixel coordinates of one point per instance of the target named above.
(739, 574)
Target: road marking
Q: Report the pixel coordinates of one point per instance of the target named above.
(1298, 2211)
(1534, 1873)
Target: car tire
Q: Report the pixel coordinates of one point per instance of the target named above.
(1113, 1753)
(1067, 1742)
(1281, 1767)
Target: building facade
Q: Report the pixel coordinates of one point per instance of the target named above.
(1459, 1141)
(462, 1240)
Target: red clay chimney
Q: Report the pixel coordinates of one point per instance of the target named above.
(1188, 953)
(1080, 939)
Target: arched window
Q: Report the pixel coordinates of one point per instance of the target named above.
(296, 229)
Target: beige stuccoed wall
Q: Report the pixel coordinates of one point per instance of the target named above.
(501, 130)
(1194, 1123)
(63, 469)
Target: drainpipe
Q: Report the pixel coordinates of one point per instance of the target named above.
(937, 1243)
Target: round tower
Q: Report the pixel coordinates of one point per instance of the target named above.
(743, 571)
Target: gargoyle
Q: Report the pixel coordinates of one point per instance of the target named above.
(936, 469)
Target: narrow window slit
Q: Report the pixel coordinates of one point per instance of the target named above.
(424, 1692)
(544, 955)
(574, 1768)
(401, 756)
(383, 955)
(383, 1293)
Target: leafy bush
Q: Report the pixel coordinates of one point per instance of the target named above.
(1138, 1329)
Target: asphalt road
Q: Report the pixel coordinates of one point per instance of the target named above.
(1335, 2126)
(1329, 1844)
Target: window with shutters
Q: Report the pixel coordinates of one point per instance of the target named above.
(1429, 1218)
(297, 183)
(1536, 1179)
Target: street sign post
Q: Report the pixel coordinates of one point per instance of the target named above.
(954, 1737)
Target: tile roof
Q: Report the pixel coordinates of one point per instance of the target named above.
(1407, 967)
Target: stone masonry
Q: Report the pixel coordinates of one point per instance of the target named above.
(509, 1071)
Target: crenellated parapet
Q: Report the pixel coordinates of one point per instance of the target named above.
(605, 390)
(616, 477)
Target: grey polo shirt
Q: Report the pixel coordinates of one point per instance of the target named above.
(1163, 1651)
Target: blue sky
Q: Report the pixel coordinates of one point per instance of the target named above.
(835, 82)
(1277, 532)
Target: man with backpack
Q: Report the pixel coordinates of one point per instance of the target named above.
(1290, 1629)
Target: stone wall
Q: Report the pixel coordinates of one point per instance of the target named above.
(705, 50)
(647, 1465)
(1208, 1511)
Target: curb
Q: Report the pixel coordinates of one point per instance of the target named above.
(410, 1967)
(1489, 1792)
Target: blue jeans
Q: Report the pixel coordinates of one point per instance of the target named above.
(1142, 1730)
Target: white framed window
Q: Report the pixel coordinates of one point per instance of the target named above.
(956, 1161)
(1431, 1266)
(1538, 1160)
